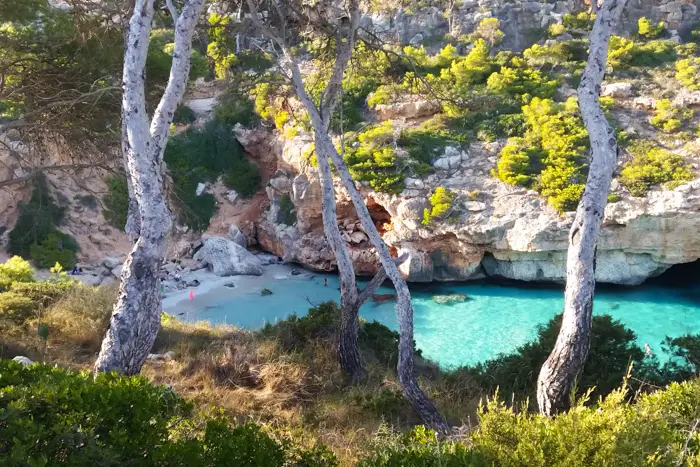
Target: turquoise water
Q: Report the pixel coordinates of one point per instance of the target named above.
(496, 318)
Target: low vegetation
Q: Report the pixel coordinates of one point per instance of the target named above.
(278, 397)
(441, 206)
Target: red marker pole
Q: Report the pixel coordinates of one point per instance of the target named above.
(191, 294)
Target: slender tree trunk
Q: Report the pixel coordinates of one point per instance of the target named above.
(404, 308)
(571, 349)
(136, 316)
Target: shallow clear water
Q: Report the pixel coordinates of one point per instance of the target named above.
(496, 318)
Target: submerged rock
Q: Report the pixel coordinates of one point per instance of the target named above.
(266, 292)
(449, 299)
(383, 298)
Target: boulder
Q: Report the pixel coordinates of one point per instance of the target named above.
(23, 360)
(237, 236)
(266, 292)
(117, 271)
(228, 258)
(358, 237)
(618, 90)
(200, 189)
(449, 299)
(111, 262)
(231, 196)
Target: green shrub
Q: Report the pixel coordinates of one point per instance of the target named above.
(44, 293)
(472, 69)
(441, 206)
(688, 73)
(651, 165)
(233, 107)
(427, 141)
(572, 54)
(56, 248)
(581, 21)
(653, 431)
(36, 230)
(685, 361)
(116, 202)
(670, 118)
(550, 157)
(647, 30)
(184, 114)
(16, 307)
(522, 84)
(287, 211)
(50, 416)
(386, 402)
(15, 270)
(202, 155)
(613, 348)
(555, 30)
(623, 53)
(489, 29)
(374, 160)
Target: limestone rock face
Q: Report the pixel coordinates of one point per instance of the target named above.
(227, 258)
(237, 236)
(499, 230)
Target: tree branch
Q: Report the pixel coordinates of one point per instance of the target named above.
(377, 281)
(35, 172)
(173, 11)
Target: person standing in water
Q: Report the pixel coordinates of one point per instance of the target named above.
(325, 282)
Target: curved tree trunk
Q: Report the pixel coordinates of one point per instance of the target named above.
(404, 308)
(571, 349)
(136, 316)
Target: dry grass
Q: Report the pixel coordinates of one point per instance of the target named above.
(245, 374)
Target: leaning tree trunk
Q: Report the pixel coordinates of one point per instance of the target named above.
(136, 316)
(566, 361)
(348, 352)
(420, 402)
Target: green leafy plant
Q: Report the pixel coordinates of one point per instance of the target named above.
(15, 270)
(647, 29)
(184, 114)
(669, 117)
(374, 160)
(287, 211)
(688, 73)
(489, 29)
(53, 416)
(441, 206)
(202, 155)
(521, 83)
(651, 165)
(116, 201)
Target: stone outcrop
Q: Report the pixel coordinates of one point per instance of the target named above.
(227, 258)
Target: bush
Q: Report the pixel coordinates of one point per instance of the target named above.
(56, 248)
(374, 160)
(202, 155)
(50, 416)
(43, 293)
(647, 30)
(613, 348)
(15, 270)
(688, 73)
(521, 84)
(441, 203)
(233, 107)
(81, 315)
(16, 307)
(489, 29)
(550, 157)
(651, 165)
(668, 117)
(35, 235)
(184, 114)
(652, 431)
(116, 202)
(582, 21)
(287, 212)
(685, 361)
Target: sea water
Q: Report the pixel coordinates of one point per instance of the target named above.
(494, 319)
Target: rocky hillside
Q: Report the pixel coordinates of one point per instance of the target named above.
(473, 170)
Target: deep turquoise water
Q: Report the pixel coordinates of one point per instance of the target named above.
(496, 318)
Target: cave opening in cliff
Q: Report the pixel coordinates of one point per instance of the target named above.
(379, 215)
(679, 275)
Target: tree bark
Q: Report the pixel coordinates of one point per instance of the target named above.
(136, 316)
(566, 361)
